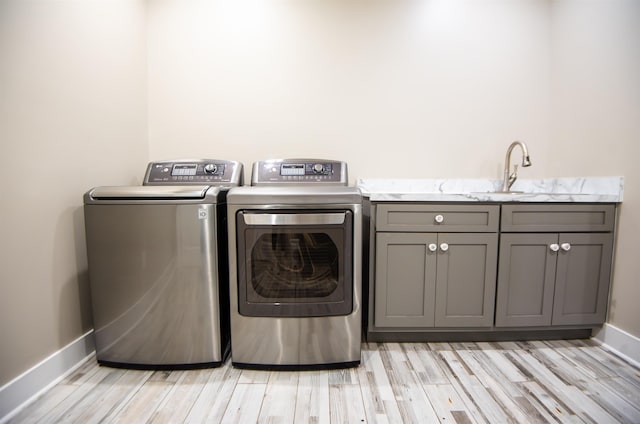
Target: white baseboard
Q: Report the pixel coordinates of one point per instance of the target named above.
(25, 388)
(620, 342)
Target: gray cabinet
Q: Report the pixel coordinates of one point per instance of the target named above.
(429, 278)
(488, 270)
(554, 265)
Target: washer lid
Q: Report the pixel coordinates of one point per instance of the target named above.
(149, 192)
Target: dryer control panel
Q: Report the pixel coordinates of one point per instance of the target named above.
(199, 171)
(299, 171)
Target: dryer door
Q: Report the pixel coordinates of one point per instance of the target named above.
(295, 263)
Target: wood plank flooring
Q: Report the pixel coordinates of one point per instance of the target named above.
(574, 381)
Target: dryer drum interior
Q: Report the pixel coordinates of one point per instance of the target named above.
(295, 265)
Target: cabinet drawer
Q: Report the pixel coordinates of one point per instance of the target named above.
(550, 217)
(437, 217)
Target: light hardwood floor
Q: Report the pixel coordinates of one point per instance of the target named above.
(525, 382)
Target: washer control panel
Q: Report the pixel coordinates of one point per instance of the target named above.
(299, 171)
(200, 171)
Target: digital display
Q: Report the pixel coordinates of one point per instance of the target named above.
(292, 169)
(189, 169)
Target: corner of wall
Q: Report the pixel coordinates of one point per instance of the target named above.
(24, 389)
(619, 342)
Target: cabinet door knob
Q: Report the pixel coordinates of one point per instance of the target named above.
(433, 247)
(444, 247)
(554, 247)
(565, 246)
(439, 219)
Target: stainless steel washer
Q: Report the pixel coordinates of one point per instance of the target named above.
(158, 266)
(295, 267)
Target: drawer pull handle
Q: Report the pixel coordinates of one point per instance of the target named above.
(565, 246)
(439, 219)
(433, 247)
(444, 247)
(554, 247)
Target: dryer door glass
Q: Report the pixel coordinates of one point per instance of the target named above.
(295, 263)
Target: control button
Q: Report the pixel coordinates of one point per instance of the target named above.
(318, 168)
(210, 168)
(165, 169)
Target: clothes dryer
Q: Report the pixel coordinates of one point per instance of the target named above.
(295, 266)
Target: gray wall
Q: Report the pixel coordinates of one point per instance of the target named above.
(595, 120)
(440, 87)
(72, 116)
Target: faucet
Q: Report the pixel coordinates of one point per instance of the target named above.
(510, 178)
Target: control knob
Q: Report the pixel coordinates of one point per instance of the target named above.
(318, 168)
(210, 168)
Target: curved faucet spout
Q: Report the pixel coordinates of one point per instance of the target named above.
(510, 178)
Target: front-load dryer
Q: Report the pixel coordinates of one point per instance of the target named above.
(295, 267)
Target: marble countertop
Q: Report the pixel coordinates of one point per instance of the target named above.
(579, 189)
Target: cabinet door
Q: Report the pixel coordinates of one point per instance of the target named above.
(526, 275)
(466, 279)
(405, 280)
(582, 278)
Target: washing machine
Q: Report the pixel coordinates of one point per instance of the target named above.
(158, 266)
(295, 266)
